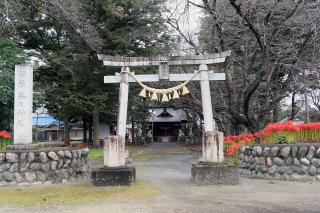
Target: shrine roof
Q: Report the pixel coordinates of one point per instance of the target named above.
(168, 115)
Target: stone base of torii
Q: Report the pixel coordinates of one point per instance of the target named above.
(211, 169)
(114, 172)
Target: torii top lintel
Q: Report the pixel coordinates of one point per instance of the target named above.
(120, 61)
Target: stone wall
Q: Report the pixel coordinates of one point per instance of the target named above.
(282, 162)
(55, 165)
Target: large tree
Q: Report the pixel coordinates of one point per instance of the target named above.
(272, 43)
(67, 35)
(10, 55)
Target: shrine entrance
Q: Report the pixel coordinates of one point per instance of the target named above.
(212, 144)
(165, 124)
(213, 140)
(166, 132)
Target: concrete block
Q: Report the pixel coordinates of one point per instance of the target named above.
(214, 173)
(113, 176)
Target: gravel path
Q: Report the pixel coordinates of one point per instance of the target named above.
(170, 175)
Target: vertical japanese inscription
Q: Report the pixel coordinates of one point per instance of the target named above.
(23, 104)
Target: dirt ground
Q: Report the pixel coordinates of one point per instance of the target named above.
(163, 185)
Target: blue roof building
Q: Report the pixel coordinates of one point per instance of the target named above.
(44, 120)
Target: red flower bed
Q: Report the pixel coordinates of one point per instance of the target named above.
(232, 149)
(299, 133)
(79, 146)
(233, 142)
(243, 138)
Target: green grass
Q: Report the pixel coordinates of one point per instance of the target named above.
(95, 154)
(4, 143)
(140, 153)
(142, 157)
(72, 194)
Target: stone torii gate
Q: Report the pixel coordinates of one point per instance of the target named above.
(212, 151)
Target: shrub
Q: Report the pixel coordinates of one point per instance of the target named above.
(281, 139)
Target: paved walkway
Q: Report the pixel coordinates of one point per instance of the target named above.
(170, 176)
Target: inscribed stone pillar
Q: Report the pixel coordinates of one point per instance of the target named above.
(114, 152)
(23, 104)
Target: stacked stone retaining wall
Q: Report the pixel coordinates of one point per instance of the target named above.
(282, 162)
(38, 167)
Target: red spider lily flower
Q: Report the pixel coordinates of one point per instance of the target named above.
(243, 142)
(4, 134)
(82, 145)
(232, 149)
(243, 138)
(259, 134)
(281, 127)
(228, 142)
(315, 126)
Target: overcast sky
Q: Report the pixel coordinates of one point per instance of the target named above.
(188, 16)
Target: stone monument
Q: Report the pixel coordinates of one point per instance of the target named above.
(22, 163)
(181, 137)
(23, 100)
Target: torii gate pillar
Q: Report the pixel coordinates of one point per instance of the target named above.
(123, 102)
(114, 146)
(212, 144)
(209, 124)
(115, 172)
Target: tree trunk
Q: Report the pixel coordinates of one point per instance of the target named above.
(85, 128)
(234, 127)
(132, 130)
(90, 129)
(144, 131)
(96, 139)
(275, 113)
(66, 137)
(293, 106)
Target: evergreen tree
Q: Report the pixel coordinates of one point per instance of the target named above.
(67, 36)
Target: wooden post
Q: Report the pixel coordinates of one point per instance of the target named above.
(123, 103)
(95, 128)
